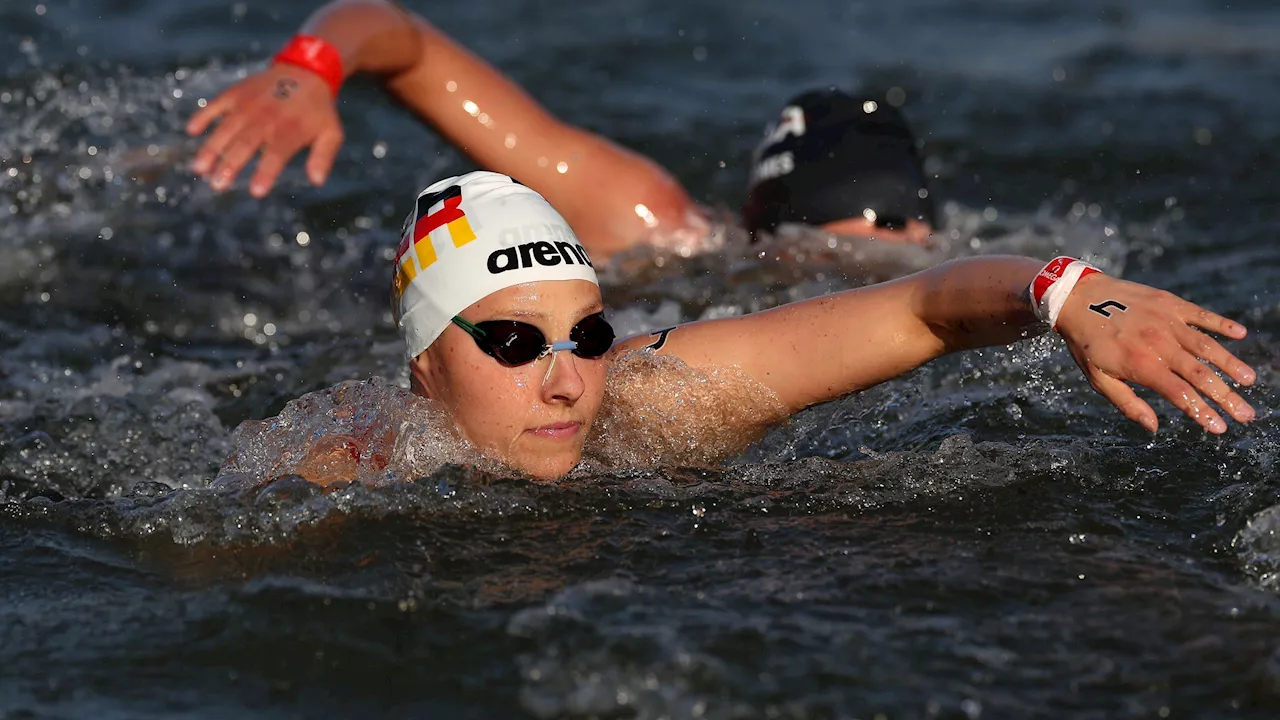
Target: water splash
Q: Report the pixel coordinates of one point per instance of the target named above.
(658, 411)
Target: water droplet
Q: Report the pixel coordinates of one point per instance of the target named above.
(645, 214)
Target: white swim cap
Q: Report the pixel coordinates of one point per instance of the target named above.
(471, 236)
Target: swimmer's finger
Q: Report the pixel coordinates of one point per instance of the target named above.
(202, 118)
(323, 153)
(236, 156)
(220, 141)
(1209, 384)
(1211, 321)
(1212, 352)
(1185, 398)
(1124, 398)
(275, 156)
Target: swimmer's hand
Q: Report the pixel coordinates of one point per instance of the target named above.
(1121, 332)
(279, 111)
(335, 458)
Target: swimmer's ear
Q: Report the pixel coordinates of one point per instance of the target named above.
(418, 375)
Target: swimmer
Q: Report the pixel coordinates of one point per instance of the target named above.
(847, 165)
(508, 336)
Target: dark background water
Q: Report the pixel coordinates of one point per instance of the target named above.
(982, 538)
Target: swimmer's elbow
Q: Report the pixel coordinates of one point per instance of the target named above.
(933, 333)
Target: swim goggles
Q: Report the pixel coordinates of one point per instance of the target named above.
(514, 343)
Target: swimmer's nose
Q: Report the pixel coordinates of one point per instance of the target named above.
(563, 383)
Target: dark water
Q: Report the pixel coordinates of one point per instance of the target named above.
(981, 539)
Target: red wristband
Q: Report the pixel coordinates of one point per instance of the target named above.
(1052, 285)
(314, 54)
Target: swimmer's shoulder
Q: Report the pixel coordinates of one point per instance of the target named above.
(652, 343)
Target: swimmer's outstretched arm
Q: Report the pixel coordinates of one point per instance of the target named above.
(285, 109)
(612, 197)
(818, 350)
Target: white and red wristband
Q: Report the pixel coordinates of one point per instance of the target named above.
(317, 55)
(1050, 288)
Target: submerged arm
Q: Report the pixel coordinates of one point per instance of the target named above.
(821, 349)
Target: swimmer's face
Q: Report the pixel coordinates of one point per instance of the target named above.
(915, 231)
(533, 417)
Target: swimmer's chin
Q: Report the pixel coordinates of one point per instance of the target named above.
(551, 469)
(553, 450)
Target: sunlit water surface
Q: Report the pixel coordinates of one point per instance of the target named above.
(983, 538)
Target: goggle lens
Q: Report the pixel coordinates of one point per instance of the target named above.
(594, 336)
(513, 343)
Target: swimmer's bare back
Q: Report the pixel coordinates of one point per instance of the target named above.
(613, 197)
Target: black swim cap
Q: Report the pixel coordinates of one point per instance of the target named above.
(832, 156)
